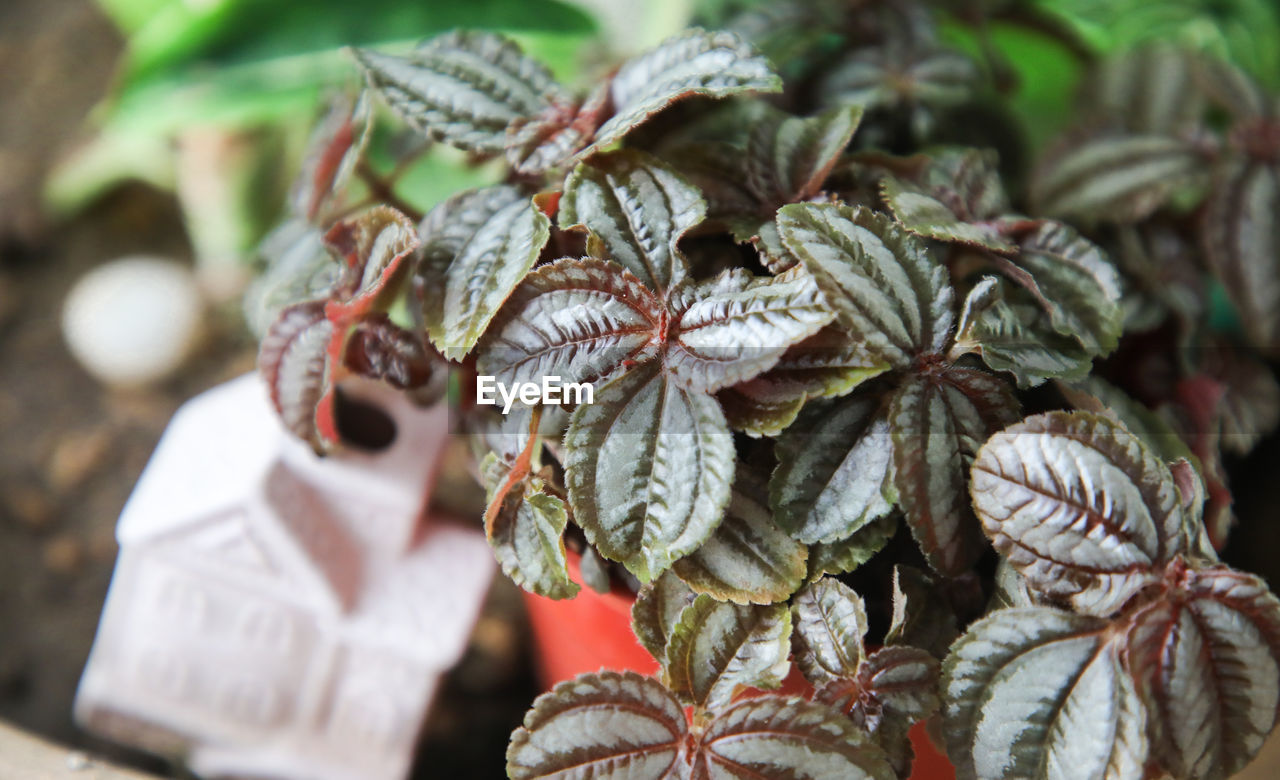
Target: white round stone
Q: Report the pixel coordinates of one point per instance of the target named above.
(134, 320)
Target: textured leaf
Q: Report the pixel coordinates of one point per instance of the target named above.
(1075, 282)
(657, 610)
(605, 725)
(637, 208)
(879, 279)
(379, 349)
(922, 616)
(902, 682)
(648, 468)
(576, 319)
(1250, 405)
(1150, 89)
(463, 88)
(1211, 661)
(1039, 693)
(830, 625)
(887, 76)
(833, 471)
(1013, 332)
(736, 326)
(957, 198)
(786, 737)
(294, 362)
(695, 62)
(788, 158)
(335, 147)
(527, 536)
(476, 248)
(718, 647)
(298, 268)
(848, 554)
(938, 419)
(1242, 242)
(554, 137)
(1115, 178)
(828, 364)
(1081, 507)
(373, 246)
(749, 559)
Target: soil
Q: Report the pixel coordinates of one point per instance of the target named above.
(71, 449)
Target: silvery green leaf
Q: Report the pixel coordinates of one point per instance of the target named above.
(636, 208)
(294, 364)
(904, 680)
(1080, 506)
(718, 647)
(1210, 658)
(657, 610)
(605, 725)
(890, 75)
(1012, 589)
(1038, 693)
(1229, 87)
(737, 326)
(749, 559)
(786, 737)
(1013, 333)
(830, 625)
(1115, 178)
(788, 158)
(938, 419)
(1250, 405)
(1075, 282)
(648, 468)
(1150, 89)
(463, 88)
(576, 319)
(335, 146)
(1242, 241)
(1094, 394)
(464, 280)
(298, 268)
(692, 63)
(879, 279)
(373, 246)
(958, 197)
(848, 554)
(833, 473)
(540, 143)
(922, 616)
(527, 536)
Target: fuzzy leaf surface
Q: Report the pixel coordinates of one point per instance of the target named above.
(648, 468)
(1039, 693)
(293, 361)
(1013, 332)
(373, 246)
(576, 319)
(786, 737)
(718, 647)
(1211, 660)
(848, 554)
(830, 624)
(692, 63)
(749, 559)
(833, 471)
(463, 88)
(937, 421)
(788, 158)
(958, 198)
(605, 725)
(636, 207)
(463, 288)
(527, 536)
(879, 279)
(657, 610)
(735, 327)
(1080, 506)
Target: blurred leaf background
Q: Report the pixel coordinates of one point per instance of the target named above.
(214, 97)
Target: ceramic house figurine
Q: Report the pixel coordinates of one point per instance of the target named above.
(274, 614)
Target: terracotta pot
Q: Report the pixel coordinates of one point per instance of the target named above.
(593, 632)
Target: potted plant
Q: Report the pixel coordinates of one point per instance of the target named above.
(771, 317)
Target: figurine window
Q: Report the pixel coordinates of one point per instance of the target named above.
(267, 629)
